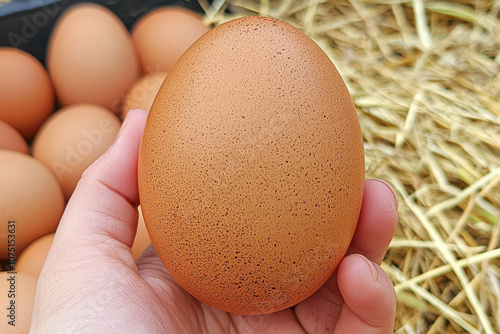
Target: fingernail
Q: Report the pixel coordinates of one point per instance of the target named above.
(388, 185)
(372, 269)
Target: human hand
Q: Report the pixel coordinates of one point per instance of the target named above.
(91, 283)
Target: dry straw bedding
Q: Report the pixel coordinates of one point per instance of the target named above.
(425, 79)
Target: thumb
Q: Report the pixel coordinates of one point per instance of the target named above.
(370, 302)
(91, 249)
(104, 203)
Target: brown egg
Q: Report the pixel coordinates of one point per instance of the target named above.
(162, 36)
(33, 257)
(26, 92)
(72, 139)
(17, 297)
(31, 202)
(251, 167)
(12, 140)
(143, 93)
(142, 240)
(91, 57)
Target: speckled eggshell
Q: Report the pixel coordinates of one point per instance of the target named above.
(251, 168)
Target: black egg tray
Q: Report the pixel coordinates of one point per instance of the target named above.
(27, 24)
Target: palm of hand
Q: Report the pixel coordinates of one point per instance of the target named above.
(90, 281)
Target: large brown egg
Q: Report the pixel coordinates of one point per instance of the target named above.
(251, 167)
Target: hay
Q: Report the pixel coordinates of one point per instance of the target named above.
(425, 78)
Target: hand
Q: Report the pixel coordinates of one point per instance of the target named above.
(91, 283)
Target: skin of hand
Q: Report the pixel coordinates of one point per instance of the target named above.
(90, 282)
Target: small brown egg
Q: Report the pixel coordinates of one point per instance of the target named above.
(142, 240)
(17, 298)
(12, 140)
(143, 93)
(31, 202)
(33, 257)
(251, 167)
(91, 57)
(163, 35)
(26, 92)
(72, 139)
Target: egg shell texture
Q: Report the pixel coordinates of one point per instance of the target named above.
(251, 167)
(26, 91)
(31, 197)
(162, 35)
(91, 57)
(72, 139)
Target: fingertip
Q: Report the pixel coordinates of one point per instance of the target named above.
(368, 294)
(118, 168)
(384, 190)
(106, 197)
(135, 113)
(133, 116)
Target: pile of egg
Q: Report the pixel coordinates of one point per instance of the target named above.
(56, 121)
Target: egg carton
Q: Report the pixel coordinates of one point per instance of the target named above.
(27, 24)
